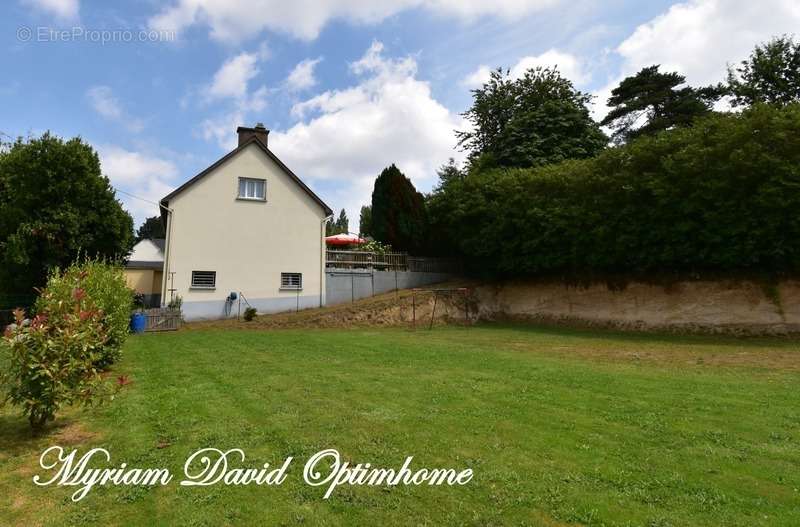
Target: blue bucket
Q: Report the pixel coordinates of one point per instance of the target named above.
(138, 322)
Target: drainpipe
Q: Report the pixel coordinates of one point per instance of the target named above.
(167, 243)
(322, 260)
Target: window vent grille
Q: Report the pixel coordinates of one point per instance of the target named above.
(204, 279)
(291, 281)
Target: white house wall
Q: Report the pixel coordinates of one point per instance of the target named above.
(248, 243)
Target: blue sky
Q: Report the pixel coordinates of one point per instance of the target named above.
(347, 87)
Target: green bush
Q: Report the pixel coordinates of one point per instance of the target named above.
(249, 314)
(721, 196)
(105, 285)
(50, 361)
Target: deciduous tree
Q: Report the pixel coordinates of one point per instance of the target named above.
(771, 74)
(531, 121)
(55, 204)
(151, 229)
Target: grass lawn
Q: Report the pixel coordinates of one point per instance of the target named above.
(560, 427)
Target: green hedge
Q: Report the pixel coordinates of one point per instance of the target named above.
(721, 196)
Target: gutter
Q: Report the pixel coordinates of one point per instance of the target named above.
(322, 262)
(167, 244)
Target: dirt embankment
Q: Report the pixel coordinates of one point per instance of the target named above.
(719, 307)
(735, 307)
(393, 309)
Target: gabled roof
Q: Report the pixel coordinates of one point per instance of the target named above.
(147, 260)
(263, 147)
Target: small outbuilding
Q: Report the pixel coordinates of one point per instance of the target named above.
(144, 270)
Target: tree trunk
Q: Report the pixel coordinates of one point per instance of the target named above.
(37, 422)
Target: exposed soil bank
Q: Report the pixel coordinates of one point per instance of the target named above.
(393, 309)
(725, 307)
(728, 306)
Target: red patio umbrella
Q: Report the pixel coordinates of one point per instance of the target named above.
(344, 239)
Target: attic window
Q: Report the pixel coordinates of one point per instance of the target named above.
(204, 279)
(255, 189)
(293, 281)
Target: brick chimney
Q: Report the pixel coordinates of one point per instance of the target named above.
(258, 131)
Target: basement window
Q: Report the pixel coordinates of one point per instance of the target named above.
(250, 188)
(204, 279)
(292, 281)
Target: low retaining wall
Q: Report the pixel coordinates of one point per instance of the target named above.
(343, 286)
(740, 307)
(217, 309)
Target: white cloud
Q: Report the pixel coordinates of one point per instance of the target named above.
(104, 103)
(601, 95)
(477, 78)
(125, 167)
(698, 38)
(221, 129)
(145, 176)
(232, 77)
(234, 20)
(348, 136)
(568, 65)
(302, 76)
(257, 100)
(64, 9)
(230, 90)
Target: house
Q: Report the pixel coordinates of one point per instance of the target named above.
(244, 231)
(143, 271)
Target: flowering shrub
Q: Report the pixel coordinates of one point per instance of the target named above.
(374, 246)
(105, 285)
(51, 359)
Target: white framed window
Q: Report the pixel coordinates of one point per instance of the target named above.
(293, 281)
(251, 188)
(204, 279)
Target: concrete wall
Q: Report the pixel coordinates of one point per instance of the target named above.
(345, 286)
(249, 243)
(712, 306)
(213, 309)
